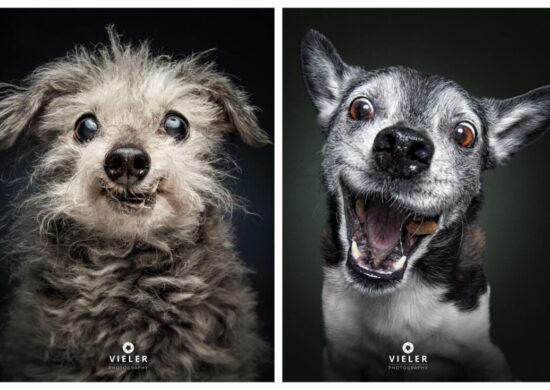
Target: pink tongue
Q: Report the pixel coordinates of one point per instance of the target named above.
(383, 227)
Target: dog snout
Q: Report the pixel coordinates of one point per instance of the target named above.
(127, 164)
(402, 152)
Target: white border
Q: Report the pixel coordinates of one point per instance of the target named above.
(278, 4)
(278, 344)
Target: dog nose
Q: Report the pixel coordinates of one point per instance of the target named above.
(402, 152)
(127, 164)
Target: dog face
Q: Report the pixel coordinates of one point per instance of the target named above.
(132, 141)
(403, 156)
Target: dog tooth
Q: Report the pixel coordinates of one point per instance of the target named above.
(355, 250)
(399, 263)
(360, 210)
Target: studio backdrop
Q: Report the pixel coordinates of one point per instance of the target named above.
(496, 53)
(241, 43)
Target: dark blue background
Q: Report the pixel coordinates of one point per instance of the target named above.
(245, 42)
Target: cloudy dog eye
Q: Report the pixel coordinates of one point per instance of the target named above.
(86, 128)
(361, 109)
(465, 134)
(176, 125)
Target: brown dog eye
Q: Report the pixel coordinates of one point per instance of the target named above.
(176, 125)
(361, 109)
(465, 134)
(86, 128)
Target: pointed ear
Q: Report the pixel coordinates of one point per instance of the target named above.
(516, 122)
(240, 115)
(323, 71)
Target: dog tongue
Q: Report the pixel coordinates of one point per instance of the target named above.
(383, 227)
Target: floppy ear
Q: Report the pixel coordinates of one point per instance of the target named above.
(516, 122)
(18, 109)
(323, 71)
(21, 106)
(240, 114)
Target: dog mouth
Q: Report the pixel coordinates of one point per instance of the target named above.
(131, 200)
(383, 235)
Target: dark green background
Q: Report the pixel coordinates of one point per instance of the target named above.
(498, 53)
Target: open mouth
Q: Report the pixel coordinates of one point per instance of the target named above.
(383, 236)
(130, 199)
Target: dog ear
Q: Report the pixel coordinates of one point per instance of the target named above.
(240, 115)
(323, 70)
(516, 122)
(19, 107)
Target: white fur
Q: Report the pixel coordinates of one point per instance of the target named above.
(503, 148)
(362, 330)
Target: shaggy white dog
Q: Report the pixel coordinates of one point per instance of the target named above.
(125, 239)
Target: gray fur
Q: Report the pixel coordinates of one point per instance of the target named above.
(443, 282)
(90, 277)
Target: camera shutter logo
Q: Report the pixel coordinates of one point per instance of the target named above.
(407, 360)
(129, 347)
(408, 347)
(128, 360)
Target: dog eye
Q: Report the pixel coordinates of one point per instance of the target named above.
(361, 109)
(465, 134)
(86, 128)
(176, 125)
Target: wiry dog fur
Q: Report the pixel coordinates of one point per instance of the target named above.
(437, 296)
(91, 276)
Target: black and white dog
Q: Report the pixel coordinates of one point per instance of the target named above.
(405, 296)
